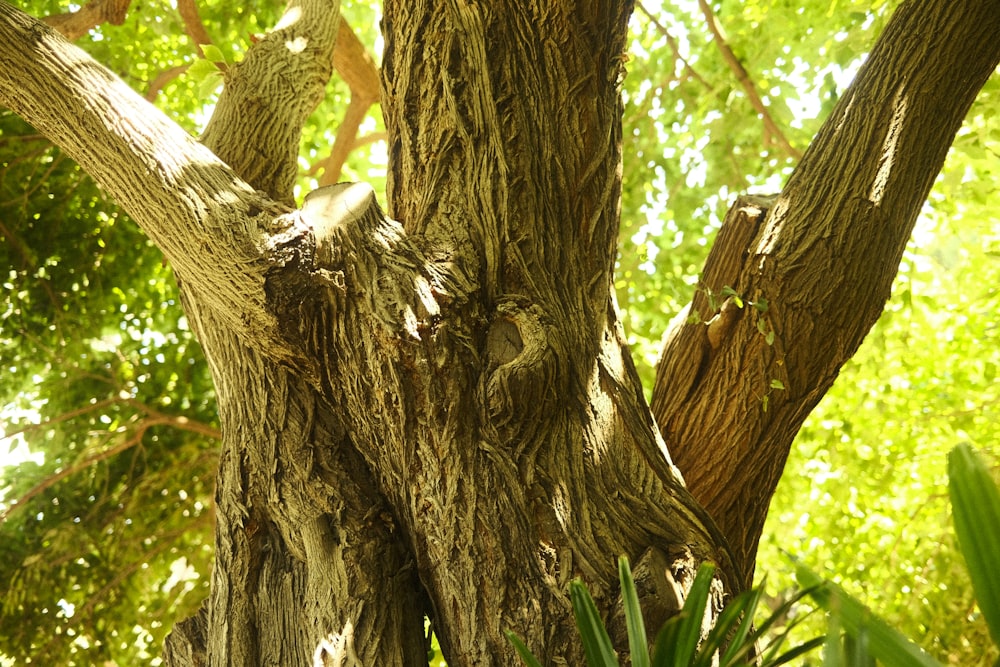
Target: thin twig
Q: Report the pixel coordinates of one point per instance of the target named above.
(672, 42)
(162, 79)
(159, 419)
(743, 77)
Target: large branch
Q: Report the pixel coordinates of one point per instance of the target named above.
(275, 101)
(345, 578)
(211, 226)
(814, 268)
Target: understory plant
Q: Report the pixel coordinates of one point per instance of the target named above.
(856, 637)
(678, 643)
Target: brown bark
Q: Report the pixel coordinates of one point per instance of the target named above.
(309, 565)
(74, 25)
(504, 140)
(822, 257)
(358, 71)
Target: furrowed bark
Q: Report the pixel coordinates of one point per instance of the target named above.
(516, 430)
(814, 266)
(310, 567)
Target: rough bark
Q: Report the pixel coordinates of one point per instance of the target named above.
(504, 140)
(439, 415)
(818, 263)
(309, 565)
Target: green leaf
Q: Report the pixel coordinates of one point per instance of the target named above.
(792, 654)
(213, 53)
(677, 642)
(777, 384)
(727, 621)
(527, 656)
(210, 84)
(833, 649)
(884, 642)
(770, 657)
(596, 642)
(730, 292)
(976, 509)
(665, 646)
(744, 606)
(201, 69)
(637, 645)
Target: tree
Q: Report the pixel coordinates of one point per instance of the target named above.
(436, 411)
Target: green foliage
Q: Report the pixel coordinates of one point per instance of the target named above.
(871, 635)
(976, 509)
(731, 641)
(975, 504)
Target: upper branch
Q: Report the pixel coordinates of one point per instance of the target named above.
(74, 25)
(817, 263)
(269, 95)
(212, 226)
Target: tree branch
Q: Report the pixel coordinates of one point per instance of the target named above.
(193, 26)
(162, 79)
(358, 70)
(265, 105)
(212, 227)
(743, 77)
(814, 267)
(672, 43)
(74, 25)
(144, 425)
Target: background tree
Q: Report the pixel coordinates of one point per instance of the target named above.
(500, 237)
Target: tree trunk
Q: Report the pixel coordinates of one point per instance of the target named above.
(439, 415)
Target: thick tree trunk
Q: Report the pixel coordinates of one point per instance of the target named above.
(439, 415)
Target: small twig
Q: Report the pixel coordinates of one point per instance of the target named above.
(743, 77)
(193, 25)
(156, 418)
(162, 79)
(672, 42)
